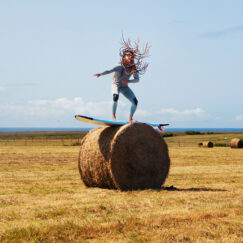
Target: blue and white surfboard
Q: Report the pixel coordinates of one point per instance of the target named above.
(96, 121)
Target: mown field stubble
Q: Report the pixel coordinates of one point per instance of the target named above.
(42, 198)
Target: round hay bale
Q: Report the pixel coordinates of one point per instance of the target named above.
(207, 144)
(236, 143)
(200, 144)
(128, 157)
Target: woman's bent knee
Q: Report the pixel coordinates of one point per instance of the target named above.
(135, 101)
(115, 97)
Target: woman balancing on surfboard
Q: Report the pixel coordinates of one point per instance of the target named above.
(131, 64)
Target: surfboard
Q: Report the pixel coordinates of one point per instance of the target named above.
(101, 122)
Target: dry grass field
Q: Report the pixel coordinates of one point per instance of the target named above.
(42, 198)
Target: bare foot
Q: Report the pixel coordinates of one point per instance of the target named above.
(113, 118)
(131, 120)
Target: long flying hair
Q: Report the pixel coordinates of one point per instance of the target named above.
(138, 64)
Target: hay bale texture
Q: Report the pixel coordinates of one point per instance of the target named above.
(207, 144)
(128, 157)
(236, 143)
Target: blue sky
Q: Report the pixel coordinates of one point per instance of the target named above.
(49, 51)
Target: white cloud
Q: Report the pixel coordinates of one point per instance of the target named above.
(184, 115)
(60, 106)
(238, 29)
(38, 102)
(64, 108)
(239, 117)
(78, 106)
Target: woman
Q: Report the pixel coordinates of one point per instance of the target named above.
(130, 64)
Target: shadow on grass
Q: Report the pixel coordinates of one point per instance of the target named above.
(192, 189)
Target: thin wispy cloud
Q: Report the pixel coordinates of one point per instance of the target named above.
(239, 118)
(12, 86)
(223, 33)
(24, 84)
(184, 115)
(3, 88)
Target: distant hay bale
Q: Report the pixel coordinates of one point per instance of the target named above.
(200, 144)
(207, 144)
(236, 143)
(128, 157)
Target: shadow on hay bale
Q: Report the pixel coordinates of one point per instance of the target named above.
(128, 157)
(207, 144)
(236, 143)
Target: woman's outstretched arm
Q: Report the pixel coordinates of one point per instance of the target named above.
(114, 69)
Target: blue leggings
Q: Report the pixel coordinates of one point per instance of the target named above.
(127, 92)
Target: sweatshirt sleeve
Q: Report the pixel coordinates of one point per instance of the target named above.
(136, 78)
(114, 69)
